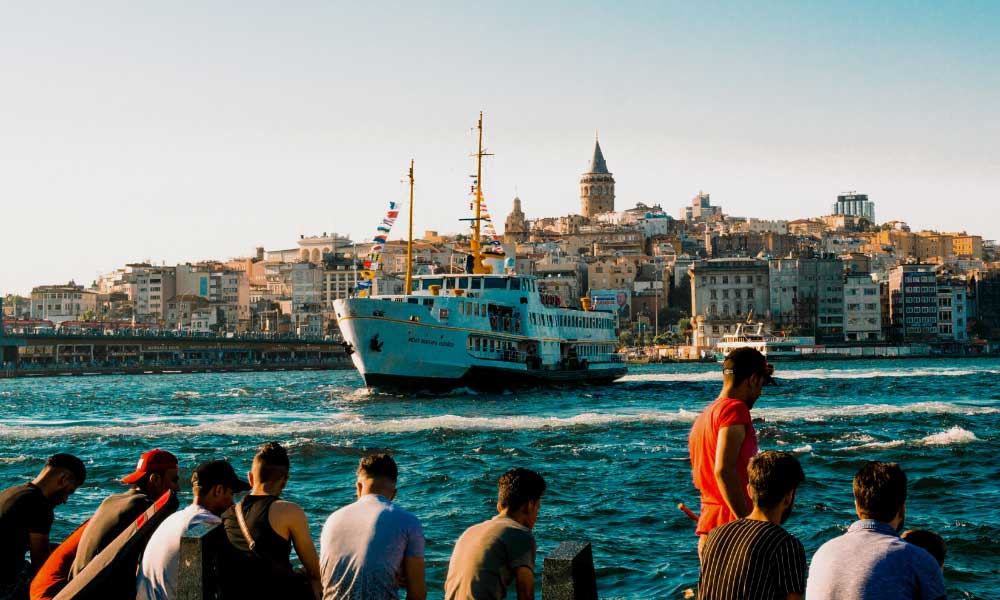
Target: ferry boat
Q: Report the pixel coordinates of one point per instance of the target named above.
(774, 347)
(481, 331)
(487, 329)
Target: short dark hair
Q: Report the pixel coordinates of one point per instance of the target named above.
(273, 460)
(378, 465)
(772, 474)
(517, 487)
(929, 541)
(742, 363)
(880, 490)
(70, 463)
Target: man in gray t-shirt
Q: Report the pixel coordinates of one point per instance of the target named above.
(493, 555)
(372, 547)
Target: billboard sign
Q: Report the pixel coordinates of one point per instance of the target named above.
(615, 301)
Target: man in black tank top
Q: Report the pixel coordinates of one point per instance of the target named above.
(262, 529)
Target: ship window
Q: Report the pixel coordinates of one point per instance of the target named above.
(495, 283)
(463, 282)
(427, 283)
(461, 307)
(515, 284)
(477, 283)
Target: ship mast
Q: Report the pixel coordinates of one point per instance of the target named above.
(476, 246)
(409, 240)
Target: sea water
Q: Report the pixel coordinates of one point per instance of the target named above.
(615, 457)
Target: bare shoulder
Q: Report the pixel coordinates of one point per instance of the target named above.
(286, 513)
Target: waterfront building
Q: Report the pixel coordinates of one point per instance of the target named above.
(862, 308)
(515, 227)
(224, 288)
(984, 295)
(952, 311)
(597, 186)
(807, 296)
(701, 209)
(856, 205)
(16, 307)
(307, 280)
(724, 293)
(188, 312)
(913, 303)
(149, 287)
(59, 303)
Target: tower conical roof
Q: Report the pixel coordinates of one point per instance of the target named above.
(597, 164)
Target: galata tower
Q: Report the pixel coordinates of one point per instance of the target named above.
(597, 186)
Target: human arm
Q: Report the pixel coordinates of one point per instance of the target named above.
(525, 579)
(416, 584)
(292, 519)
(727, 455)
(38, 545)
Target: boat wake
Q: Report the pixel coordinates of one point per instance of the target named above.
(795, 374)
(297, 425)
(955, 436)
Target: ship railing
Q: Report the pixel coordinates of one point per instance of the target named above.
(514, 356)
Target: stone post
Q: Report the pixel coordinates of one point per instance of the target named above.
(568, 573)
(196, 573)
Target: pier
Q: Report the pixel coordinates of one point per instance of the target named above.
(31, 354)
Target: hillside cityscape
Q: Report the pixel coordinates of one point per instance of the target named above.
(680, 275)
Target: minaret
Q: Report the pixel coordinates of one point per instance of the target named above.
(597, 186)
(515, 227)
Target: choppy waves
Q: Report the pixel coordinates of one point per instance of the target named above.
(797, 374)
(293, 424)
(954, 436)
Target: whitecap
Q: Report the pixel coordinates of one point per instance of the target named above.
(803, 449)
(953, 436)
(186, 394)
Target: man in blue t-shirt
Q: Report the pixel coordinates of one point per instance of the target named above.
(870, 561)
(372, 547)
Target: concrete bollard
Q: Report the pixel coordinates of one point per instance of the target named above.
(568, 573)
(197, 578)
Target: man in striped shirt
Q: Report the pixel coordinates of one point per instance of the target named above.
(754, 558)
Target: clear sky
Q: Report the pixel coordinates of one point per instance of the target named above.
(190, 130)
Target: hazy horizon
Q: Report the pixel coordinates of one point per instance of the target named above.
(186, 133)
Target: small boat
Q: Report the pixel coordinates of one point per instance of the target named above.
(750, 335)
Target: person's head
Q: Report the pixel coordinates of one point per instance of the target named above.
(214, 483)
(519, 495)
(745, 372)
(270, 468)
(622, 299)
(157, 472)
(880, 493)
(773, 479)
(929, 541)
(60, 477)
(377, 474)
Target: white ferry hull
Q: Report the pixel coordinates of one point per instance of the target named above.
(397, 345)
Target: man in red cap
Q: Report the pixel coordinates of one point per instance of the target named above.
(723, 441)
(155, 474)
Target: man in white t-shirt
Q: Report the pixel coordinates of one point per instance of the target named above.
(213, 484)
(372, 547)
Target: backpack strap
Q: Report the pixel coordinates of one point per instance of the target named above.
(238, 509)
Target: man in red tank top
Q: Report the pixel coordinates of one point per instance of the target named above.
(723, 441)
